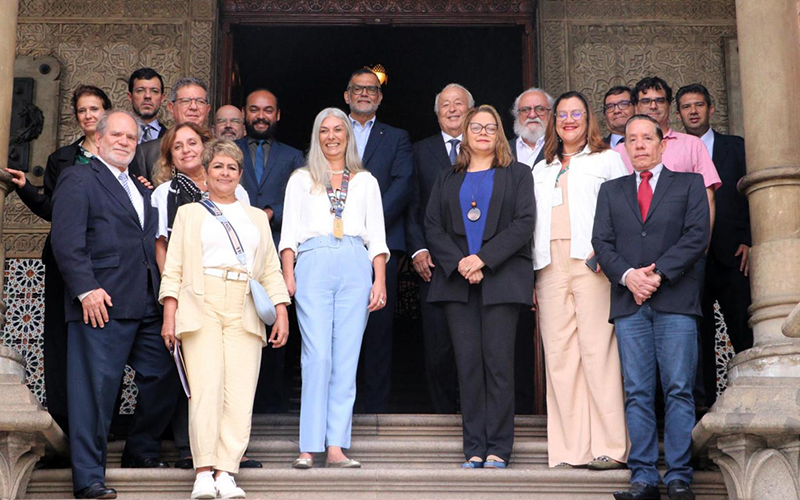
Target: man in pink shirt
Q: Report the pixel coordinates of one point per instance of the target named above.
(684, 153)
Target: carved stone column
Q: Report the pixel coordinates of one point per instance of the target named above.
(753, 431)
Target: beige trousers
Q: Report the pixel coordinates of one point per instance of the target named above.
(585, 402)
(222, 363)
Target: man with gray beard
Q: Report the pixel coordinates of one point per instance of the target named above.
(531, 112)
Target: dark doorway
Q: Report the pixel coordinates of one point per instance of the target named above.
(308, 69)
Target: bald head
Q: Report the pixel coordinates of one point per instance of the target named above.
(229, 123)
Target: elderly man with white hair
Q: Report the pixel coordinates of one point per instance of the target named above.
(531, 111)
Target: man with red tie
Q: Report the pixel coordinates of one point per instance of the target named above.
(650, 246)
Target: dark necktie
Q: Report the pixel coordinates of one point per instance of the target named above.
(259, 166)
(645, 193)
(146, 133)
(453, 150)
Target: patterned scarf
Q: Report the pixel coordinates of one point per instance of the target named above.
(182, 190)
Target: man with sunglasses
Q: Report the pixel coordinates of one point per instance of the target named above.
(386, 152)
(617, 108)
(531, 111)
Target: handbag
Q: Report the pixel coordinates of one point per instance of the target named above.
(264, 306)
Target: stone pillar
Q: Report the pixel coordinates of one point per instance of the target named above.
(753, 432)
(8, 43)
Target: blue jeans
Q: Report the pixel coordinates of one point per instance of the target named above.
(648, 339)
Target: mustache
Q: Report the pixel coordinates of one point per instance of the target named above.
(534, 120)
(261, 120)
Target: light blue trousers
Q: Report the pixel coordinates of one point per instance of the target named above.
(333, 278)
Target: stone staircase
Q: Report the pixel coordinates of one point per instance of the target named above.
(404, 456)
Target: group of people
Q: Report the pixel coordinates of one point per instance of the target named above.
(156, 234)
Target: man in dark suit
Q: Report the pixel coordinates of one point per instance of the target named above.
(386, 152)
(104, 242)
(617, 109)
(145, 93)
(650, 230)
(188, 102)
(268, 164)
(727, 265)
(531, 111)
(431, 157)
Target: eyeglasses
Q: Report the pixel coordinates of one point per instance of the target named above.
(622, 105)
(360, 89)
(576, 115)
(235, 121)
(539, 110)
(187, 101)
(144, 90)
(646, 101)
(477, 128)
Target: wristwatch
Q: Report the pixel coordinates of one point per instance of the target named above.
(658, 272)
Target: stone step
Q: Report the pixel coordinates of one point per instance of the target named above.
(375, 484)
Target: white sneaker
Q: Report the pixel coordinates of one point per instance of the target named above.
(226, 487)
(204, 486)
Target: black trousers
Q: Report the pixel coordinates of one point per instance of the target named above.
(55, 340)
(375, 364)
(483, 340)
(96, 359)
(731, 288)
(524, 362)
(440, 362)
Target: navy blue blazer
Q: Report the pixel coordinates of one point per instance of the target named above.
(270, 192)
(732, 219)
(674, 237)
(98, 242)
(389, 159)
(430, 159)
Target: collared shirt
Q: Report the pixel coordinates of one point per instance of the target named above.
(252, 146)
(362, 134)
(614, 139)
(653, 181)
(684, 153)
(448, 145)
(527, 154)
(155, 130)
(708, 140)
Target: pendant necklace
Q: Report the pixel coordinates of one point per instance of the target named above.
(474, 213)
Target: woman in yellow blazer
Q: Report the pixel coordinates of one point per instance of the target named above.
(209, 311)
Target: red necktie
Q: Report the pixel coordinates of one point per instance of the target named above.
(645, 193)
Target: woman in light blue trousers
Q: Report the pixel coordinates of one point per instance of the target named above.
(333, 228)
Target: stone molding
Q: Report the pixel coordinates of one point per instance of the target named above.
(372, 7)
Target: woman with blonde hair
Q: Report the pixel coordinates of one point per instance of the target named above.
(585, 413)
(333, 228)
(479, 224)
(216, 247)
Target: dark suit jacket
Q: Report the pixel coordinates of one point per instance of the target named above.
(674, 237)
(270, 192)
(732, 222)
(98, 242)
(512, 143)
(506, 248)
(430, 159)
(147, 154)
(41, 204)
(389, 159)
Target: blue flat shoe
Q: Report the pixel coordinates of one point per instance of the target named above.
(494, 464)
(472, 465)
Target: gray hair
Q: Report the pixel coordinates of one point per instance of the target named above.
(647, 118)
(471, 100)
(183, 82)
(102, 123)
(514, 111)
(318, 165)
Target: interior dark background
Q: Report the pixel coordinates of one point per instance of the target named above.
(308, 69)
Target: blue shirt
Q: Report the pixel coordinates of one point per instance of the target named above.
(362, 134)
(479, 185)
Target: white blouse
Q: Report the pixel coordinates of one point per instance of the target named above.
(587, 171)
(217, 249)
(307, 212)
(159, 200)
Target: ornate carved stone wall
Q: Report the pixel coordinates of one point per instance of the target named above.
(591, 45)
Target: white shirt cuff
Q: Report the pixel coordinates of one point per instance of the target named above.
(418, 252)
(85, 294)
(624, 277)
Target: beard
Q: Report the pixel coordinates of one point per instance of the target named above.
(228, 133)
(269, 133)
(144, 116)
(363, 109)
(526, 133)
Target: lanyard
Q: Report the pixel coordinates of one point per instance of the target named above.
(337, 203)
(561, 172)
(232, 236)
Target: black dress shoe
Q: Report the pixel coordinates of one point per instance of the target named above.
(639, 491)
(679, 490)
(184, 463)
(96, 490)
(143, 463)
(250, 464)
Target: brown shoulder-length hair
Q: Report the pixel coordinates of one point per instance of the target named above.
(552, 142)
(502, 152)
(164, 169)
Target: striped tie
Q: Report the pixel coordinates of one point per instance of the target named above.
(123, 179)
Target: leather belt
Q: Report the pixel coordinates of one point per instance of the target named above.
(226, 274)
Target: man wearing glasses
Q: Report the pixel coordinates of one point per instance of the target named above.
(617, 108)
(386, 152)
(188, 102)
(145, 93)
(229, 123)
(531, 112)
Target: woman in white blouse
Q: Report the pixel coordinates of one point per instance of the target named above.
(209, 311)
(333, 226)
(585, 413)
